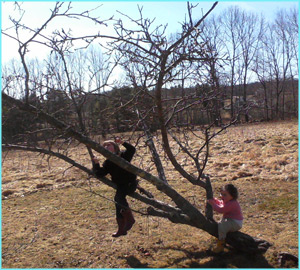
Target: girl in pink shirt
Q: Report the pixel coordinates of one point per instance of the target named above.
(232, 214)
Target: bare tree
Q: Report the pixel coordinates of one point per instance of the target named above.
(229, 19)
(260, 68)
(151, 61)
(293, 31)
(212, 70)
(249, 32)
(279, 57)
(289, 60)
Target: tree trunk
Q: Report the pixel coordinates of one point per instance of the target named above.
(246, 243)
(271, 100)
(184, 213)
(283, 107)
(266, 101)
(277, 98)
(231, 102)
(295, 107)
(245, 102)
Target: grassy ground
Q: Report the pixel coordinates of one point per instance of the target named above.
(49, 219)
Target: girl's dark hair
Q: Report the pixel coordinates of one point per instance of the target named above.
(232, 190)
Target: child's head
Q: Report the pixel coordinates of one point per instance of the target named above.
(112, 147)
(229, 193)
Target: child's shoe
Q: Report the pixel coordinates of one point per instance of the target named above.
(220, 247)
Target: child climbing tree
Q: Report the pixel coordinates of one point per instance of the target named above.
(151, 61)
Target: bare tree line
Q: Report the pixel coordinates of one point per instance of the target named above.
(240, 47)
(66, 100)
(261, 51)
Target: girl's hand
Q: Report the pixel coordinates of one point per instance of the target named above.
(118, 140)
(210, 201)
(95, 160)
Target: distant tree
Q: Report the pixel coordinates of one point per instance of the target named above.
(229, 20)
(293, 32)
(212, 36)
(249, 31)
(17, 125)
(260, 68)
(286, 35)
(277, 69)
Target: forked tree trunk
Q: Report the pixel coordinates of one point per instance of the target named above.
(183, 213)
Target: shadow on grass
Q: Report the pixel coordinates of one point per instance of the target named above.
(225, 260)
(133, 262)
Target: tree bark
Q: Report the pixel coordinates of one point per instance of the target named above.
(246, 243)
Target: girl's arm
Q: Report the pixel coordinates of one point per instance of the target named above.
(222, 209)
(129, 153)
(100, 171)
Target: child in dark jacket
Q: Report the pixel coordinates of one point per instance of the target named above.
(126, 183)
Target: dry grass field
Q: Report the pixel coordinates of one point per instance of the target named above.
(50, 220)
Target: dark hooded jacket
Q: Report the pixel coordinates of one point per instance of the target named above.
(118, 175)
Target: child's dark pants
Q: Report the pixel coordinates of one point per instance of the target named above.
(120, 197)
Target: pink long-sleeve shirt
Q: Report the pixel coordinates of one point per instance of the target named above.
(229, 209)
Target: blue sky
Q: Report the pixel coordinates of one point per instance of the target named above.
(165, 12)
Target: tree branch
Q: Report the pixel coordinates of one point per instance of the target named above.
(155, 203)
(180, 201)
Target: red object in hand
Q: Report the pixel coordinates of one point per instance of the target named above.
(118, 140)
